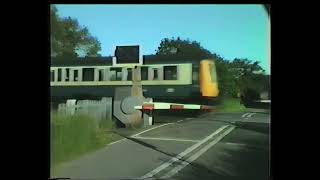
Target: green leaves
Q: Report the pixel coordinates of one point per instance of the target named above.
(179, 46)
(68, 38)
(233, 76)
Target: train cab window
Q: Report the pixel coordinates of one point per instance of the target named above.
(88, 74)
(213, 73)
(52, 76)
(75, 75)
(144, 73)
(59, 74)
(170, 73)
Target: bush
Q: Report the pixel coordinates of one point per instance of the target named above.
(229, 104)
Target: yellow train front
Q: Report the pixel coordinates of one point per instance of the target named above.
(165, 78)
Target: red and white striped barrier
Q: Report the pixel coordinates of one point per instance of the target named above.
(149, 106)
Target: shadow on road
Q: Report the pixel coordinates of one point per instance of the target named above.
(230, 164)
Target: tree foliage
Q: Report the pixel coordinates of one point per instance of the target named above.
(179, 46)
(68, 38)
(233, 76)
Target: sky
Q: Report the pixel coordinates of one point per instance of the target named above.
(232, 31)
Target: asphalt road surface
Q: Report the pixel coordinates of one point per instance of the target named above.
(221, 146)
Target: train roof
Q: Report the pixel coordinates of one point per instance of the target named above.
(172, 59)
(82, 61)
(107, 60)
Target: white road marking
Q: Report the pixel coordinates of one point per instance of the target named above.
(116, 141)
(236, 144)
(251, 114)
(139, 133)
(185, 119)
(197, 154)
(150, 129)
(244, 115)
(187, 151)
(167, 139)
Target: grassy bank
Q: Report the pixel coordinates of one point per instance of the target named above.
(230, 105)
(73, 136)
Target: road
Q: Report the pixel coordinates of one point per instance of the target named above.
(222, 146)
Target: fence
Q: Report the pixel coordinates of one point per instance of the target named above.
(98, 109)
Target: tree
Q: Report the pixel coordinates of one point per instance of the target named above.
(233, 76)
(179, 46)
(248, 75)
(70, 39)
(187, 47)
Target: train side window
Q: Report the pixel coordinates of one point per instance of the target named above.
(170, 73)
(119, 76)
(88, 74)
(155, 74)
(129, 77)
(75, 75)
(52, 76)
(59, 74)
(116, 74)
(112, 75)
(144, 73)
(100, 74)
(67, 74)
(195, 74)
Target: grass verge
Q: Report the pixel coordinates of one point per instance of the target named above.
(74, 136)
(230, 105)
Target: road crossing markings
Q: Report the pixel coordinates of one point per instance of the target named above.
(247, 115)
(135, 135)
(182, 154)
(197, 154)
(244, 115)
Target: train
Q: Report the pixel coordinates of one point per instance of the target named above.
(165, 78)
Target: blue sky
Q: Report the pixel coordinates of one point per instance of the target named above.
(232, 31)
